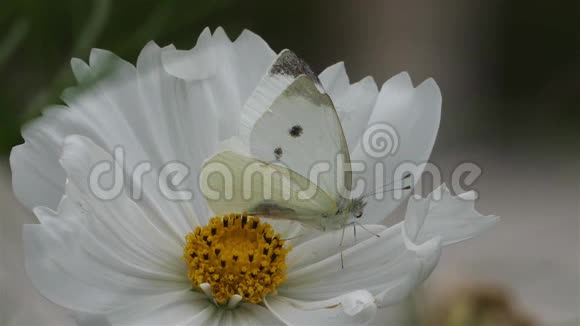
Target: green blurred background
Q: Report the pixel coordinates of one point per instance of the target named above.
(521, 58)
(509, 72)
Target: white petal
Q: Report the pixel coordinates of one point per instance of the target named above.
(453, 219)
(109, 113)
(395, 292)
(80, 156)
(247, 314)
(206, 289)
(414, 114)
(335, 80)
(355, 308)
(37, 178)
(183, 119)
(59, 263)
(354, 107)
(353, 103)
(234, 301)
(387, 266)
(203, 112)
(234, 82)
(255, 57)
(81, 70)
(327, 244)
(93, 254)
(195, 64)
(176, 308)
(154, 116)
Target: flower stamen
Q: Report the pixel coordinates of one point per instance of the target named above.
(236, 255)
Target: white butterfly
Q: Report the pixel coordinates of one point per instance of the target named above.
(291, 126)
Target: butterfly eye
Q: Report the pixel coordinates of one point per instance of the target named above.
(359, 215)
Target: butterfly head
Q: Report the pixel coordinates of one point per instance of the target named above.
(356, 207)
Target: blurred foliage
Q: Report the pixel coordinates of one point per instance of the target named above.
(537, 54)
(42, 37)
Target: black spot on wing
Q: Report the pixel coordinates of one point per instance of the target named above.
(278, 152)
(296, 131)
(289, 64)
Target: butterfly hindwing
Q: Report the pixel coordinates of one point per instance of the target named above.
(233, 182)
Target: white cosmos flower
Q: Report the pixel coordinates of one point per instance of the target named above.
(121, 259)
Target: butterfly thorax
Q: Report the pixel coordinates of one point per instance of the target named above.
(355, 207)
(352, 208)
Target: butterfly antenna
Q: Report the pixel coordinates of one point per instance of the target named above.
(376, 191)
(406, 176)
(292, 238)
(385, 191)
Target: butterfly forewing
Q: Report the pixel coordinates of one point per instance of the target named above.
(299, 126)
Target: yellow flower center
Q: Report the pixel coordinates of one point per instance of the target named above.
(236, 254)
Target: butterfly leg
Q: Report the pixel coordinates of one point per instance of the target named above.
(364, 228)
(292, 238)
(340, 246)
